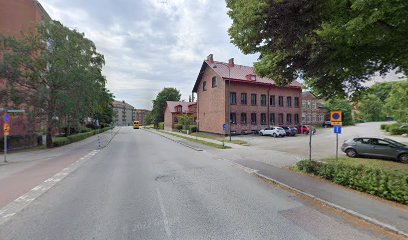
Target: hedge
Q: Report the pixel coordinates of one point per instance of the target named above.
(193, 128)
(178, 126)
(385, 184)
(161, 125)
(60, 141)
(397, 130)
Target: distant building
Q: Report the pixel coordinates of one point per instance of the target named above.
(140, 115)
(313, 110)
(255, 102)
(123, 113)
(174, 109)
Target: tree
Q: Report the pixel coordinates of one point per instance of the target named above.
(185, 120)
(333, 45)
(397, 102)
(371, 108)
(56, 73)
(343, 105)
(167, 94)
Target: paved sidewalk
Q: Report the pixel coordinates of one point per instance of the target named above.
(232, 145)
(380, 211)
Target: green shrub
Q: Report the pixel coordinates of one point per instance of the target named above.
(84, 130)
(161, 125)
(60, 141)
(178, 126)
(80, 136)
(193, 128)
(388, 127)
(386, 184)
(398, 131)
(382, 126)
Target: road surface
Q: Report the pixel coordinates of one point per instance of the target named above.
(144, 186)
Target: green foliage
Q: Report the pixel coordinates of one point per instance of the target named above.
(84, 130)
(161, 125)
(398, 130)
(63, 72)
(193, 128)
(386, 184)
(167, 94)
(60, 141)
(341, 104)
(371, 108)
(397, 102)
(388, 127)
(185, 120)
(333, 45)
(80, 136)
(178, 126)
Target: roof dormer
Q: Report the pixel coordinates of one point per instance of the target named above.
(251, 77)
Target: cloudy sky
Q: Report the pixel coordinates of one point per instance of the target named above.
(151, 44)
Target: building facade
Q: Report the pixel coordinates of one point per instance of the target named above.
(313, 110)
(174, 109)
(227, 91)
(17, 16)
(140, 115)
(123, 113)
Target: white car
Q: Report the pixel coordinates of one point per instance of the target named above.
(273, 131)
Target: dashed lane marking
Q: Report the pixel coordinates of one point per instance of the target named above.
(23, 201)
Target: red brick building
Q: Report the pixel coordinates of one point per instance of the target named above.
(17, 16)
(313, 110)
(255, 102)
(140, 115)
(174, 109)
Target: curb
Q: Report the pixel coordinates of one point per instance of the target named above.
(343, 209)
(181, 143)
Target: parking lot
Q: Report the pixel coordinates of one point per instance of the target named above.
(323, 142)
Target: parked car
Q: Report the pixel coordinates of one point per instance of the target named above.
(273, 131)
(376, 147)
(289, 131)
(326, 124)
(305, 129)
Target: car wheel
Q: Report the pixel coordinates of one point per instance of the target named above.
(274, 135)
(403, 158)
(260, 133)
(351, 153)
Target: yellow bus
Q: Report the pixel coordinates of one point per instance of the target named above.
(136, 125)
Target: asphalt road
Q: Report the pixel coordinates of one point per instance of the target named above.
(143, 186)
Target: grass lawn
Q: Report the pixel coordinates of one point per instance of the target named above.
(387, 165)
(219, 146)
(219, 138)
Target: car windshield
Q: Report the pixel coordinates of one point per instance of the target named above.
(395, 142)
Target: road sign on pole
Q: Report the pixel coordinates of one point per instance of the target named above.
(6, 129)
(337, 129)
(225, 127)
(6, 118)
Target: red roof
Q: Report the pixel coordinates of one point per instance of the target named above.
(184, 106)
(237, 72)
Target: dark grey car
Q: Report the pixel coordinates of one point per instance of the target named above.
(376, 147)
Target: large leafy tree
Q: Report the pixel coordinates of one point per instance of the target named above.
(397, 102)
(334, 45)
(57, 73)
(343, 105)
(167, 94)
(371, 108)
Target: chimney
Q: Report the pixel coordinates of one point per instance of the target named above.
(210, 58)
(231, 62)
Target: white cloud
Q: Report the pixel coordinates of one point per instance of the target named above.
(151, 44)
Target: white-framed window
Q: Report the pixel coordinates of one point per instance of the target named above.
(308, 104)
(309, 119)
(313, 118)
(303, 103)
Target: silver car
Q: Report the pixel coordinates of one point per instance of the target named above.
(376, 147)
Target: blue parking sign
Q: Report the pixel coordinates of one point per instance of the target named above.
(225, 126)
(337, 129)
(6, 118)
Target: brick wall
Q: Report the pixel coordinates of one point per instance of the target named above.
(168, 119)
(211, 104)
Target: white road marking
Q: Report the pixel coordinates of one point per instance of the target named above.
(165, 220)
(21, 202)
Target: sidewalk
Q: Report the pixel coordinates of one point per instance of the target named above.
(380, 212)
(231, 145)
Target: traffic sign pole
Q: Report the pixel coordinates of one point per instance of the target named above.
(337, 146)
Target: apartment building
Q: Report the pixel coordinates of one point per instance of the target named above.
(313, 110)
(123, 113)
(230, 92)
(140, 115)
(17, 16)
